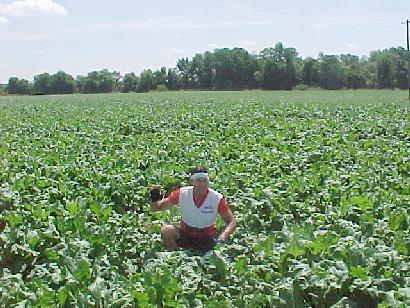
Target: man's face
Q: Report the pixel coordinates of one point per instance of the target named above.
(200, 183)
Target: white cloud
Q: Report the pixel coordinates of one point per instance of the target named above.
(350, 45)
(178, 25)
(175, 50)
(4, 21)
(33, 8)
(318, 26)
(247, 43)
(213, 45)
(21, 37)
(176, 35)
(39, 51)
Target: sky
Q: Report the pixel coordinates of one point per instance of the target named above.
(38, 36)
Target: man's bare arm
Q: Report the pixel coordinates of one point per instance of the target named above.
(161, 205)
(230, 225)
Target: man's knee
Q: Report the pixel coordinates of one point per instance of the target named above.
(169, 231)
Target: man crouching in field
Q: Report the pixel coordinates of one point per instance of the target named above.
(199, 206)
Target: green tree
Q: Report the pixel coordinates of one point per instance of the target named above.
(102, 81)
(146, 81)
(310, 74)
(290, 56)
(353, 72)
(130, 82)
(281, 62)
(42, 84)
(331, 72)
(184, 68)
(62, 83)
(12, 85)
(79, 83)
(196, 71)
(160, 77)
(272, 74)
(400, 58)
(385, 71)
(18, 86)
(3, 89)
(107, 81)
(90, 83)
(117, 86)
(257, 80)
(233, 68)
(207, 77)
(173, 80)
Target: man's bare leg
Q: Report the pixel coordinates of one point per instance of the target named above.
(169, 236)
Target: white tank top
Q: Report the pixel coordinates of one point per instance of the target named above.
(202, 217)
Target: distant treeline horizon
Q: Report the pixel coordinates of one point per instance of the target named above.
(273, 68)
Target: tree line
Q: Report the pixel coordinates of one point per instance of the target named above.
(273, 68)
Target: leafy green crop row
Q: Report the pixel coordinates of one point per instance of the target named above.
(319, 183)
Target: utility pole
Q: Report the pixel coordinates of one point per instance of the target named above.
(408, 53)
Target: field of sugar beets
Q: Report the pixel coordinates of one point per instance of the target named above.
(318, 181)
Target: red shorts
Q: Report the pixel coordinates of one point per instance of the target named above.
(194, 239)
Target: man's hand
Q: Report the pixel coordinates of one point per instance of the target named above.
(157, 201)
(230, 225)
(155, 193)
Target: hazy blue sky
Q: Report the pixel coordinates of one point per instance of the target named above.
(38, 36)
